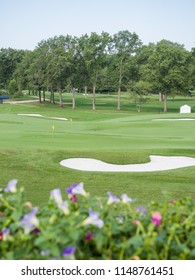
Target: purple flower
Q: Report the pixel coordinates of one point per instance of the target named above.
(11, 186)
(29, 222)
(68, 252)
(142, 210)
(93, 219)
(125, 198)
(112, 198)
(77, 189)
(36, 231)
(69, 190)
(56, 195)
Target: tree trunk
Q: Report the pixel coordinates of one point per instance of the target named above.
(52, 95)
(39, 93)
(73, 98)
(119, 86)
(119, 99)
(60, 97)
(165, 102)
(19, 86)
(94, 98)
(160, 97)
(85, 91)
(44, 95)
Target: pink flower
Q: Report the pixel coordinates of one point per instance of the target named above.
(136, 222)
(156, 218)
(73, 198)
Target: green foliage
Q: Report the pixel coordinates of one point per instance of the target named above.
(12, 87)
(87, 227)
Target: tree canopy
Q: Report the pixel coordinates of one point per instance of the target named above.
(99, 62)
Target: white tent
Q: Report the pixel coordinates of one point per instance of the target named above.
(185, 109)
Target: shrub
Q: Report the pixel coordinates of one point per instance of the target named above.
(86, 227)
(17, 94)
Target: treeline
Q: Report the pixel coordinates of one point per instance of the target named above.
(99, 62)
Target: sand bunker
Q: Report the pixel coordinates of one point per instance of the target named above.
(157, 163)
(30, 115)
(38, 115)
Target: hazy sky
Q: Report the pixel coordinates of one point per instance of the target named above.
(24, 23)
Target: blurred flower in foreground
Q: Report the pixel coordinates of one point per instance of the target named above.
(112, 198)
(77, 189)
(73, 198)
(172, 201)
(120, 218)
(89, 236)
(28, 204)
(30, 221)
(142, 210)
(57, 196)
(125, 198)
(68, 252)
(93, 219)
(64, 207)
(135, 258)
(11, 186)
(45, 252)
(4, 234)
(136, 222)
(156, 218)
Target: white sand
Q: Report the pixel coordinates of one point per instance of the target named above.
(186, 119)
(157, 163)
(30, 115)
(55, 118)
(38, 115)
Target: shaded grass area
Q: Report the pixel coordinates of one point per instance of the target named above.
(31, 150)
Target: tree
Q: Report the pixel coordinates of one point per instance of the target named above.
(59, 55)
(21, 73)
(169, 68)
(125, 44)
(94, 49)
(9, 59)
(139, 91)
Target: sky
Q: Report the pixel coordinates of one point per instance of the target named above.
(24, 23)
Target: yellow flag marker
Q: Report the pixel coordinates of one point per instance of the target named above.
(53, 127)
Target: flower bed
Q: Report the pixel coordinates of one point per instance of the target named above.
(81, 226)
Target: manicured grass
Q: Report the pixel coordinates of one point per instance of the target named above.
(31, 150)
